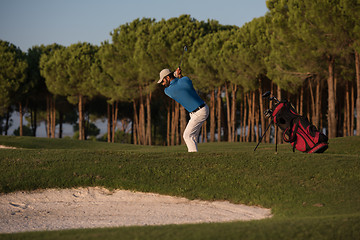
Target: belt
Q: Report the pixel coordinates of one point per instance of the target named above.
(200, 107)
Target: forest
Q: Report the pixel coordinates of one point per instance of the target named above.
(305, 51)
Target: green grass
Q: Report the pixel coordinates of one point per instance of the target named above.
(312, 196)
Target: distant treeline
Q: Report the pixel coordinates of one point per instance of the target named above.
(305, 51)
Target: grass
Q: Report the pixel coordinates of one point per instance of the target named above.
(312, 196)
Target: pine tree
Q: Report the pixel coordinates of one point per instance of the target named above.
(13, 67)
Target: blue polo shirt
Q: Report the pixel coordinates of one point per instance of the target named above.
(182, 91)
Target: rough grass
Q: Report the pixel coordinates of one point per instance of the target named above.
(312, 196)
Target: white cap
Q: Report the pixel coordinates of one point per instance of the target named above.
(163, 74)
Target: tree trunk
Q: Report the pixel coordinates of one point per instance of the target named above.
(182, 123)
(33, 121)
(142, 123)
(115, 119)
(173, 127)
(228, 117)
(48, 116)
(331, 100)
(249, 136)
(301, 101)
(168, 129)
(176, 120)
(86, 124)
(257, 124)
(233, 113)
(204, 132)
(21, 119)
(175, 123)
(148, 115)
(244, 137)
(279, 135)
(241, 121)
(308, 108)
(357, 66)
(347, 113)
(262, 118)
(142, 119)
(115, 110)
(136, 124)
(109, 117)
(219, 114)
(297, 104)
(7, 121)
(313, 114)
(212, 116)
(317, 103)
(320, 112)
(352, 108)
(81, 118)
(132, 130)
(253, 104)
(53, 117)
(61, 120)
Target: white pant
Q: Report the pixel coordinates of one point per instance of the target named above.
(193, 127)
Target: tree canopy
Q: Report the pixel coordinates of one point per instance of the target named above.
(305, 48)
(12, 74)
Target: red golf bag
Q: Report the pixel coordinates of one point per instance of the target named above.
(297, 129)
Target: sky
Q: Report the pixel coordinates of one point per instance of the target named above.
(26, 23)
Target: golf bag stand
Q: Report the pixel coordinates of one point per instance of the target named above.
(297, 129)
(263, 135)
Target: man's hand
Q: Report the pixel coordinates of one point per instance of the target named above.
(178, 73)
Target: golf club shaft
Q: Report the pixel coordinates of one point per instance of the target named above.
(181, 59)
(185, 49)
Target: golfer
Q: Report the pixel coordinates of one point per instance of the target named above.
(182, 91)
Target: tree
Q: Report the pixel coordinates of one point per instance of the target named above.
(12, 75)
(166, 46)
(109, 83)
(207, 62)
(39, 96)
(245, 65)
(351, 9)
(318, 25)
(144, 61)
(120, 69)
(68, 73)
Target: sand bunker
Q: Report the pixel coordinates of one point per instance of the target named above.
(7, 147)
(56, 209)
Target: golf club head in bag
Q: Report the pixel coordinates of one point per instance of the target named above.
(297, 129)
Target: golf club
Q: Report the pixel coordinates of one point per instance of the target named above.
(274, 98)
(185, 49)
(267, 95)
(267, 113)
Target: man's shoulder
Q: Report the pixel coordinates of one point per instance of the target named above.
(185, 80)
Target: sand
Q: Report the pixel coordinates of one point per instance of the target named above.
(58, 209)
(6, 147)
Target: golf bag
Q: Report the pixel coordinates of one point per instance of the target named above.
(297, 129)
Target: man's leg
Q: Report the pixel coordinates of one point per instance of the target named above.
(193, 128)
